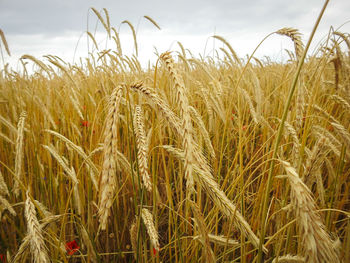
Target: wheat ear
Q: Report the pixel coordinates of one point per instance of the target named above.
(289, 259)
(71, 173)
(133, 238)
(142, 150)
(208, 183)
(151, 229)
(226, 206)
(317, 244)
(5, 205)
(2, 36)
(37, 244)
(133, 34)
(19, 152)
(186, 124)
(3, 186)
(89, 164)
(152, 21)
(160, 104)
(204, 131)
(105, 25)
(108, 178)
(171, 118)
(295, 35)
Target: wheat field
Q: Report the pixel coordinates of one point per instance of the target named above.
(212, 159)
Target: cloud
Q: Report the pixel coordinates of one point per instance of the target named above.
(190, 17)
(41, 27)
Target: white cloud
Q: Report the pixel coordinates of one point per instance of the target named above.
(40, 27)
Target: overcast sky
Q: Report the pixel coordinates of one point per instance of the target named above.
(39, 27)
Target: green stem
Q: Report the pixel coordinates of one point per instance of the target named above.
(279, 136)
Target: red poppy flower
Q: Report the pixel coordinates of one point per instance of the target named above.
(154, 252)
(72, 247)
(85, 123)
(3, 258)
(244, 127)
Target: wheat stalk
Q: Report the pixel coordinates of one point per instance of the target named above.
(203, 230)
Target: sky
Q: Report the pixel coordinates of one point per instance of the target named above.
(58, 27)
